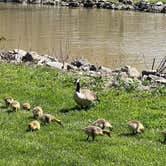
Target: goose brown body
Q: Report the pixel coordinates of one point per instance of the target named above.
(102, 123)
(94, 131)
(84, 97)
(136, 126)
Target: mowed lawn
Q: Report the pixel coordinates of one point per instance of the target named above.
(54, 145)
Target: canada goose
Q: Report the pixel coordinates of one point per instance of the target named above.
(26, 106)
(136, 126)
(34, 125)
(47, 118)
(164, 134)
(15, 105)
(84, 97)
(102, 123)
(37, 112)
(93, 131)
(8, 100)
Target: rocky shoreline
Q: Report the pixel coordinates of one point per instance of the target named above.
(126, 76)
(142, 5)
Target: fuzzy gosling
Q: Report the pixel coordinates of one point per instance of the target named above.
(15, 105)
(37, 112)
(26, 106)
(8, 100)
(94, 131)
(102, 123)
(34, 125)
(136, 126)
(47, 118)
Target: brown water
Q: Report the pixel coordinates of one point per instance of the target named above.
(106, 37)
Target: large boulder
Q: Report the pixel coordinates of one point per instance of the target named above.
(130, 71)
(127, 2)
(56, 65)
(79, 62)
(156, 79)
(142, 5)
(10, 56)
(88, 3)
(73, 3)
(27, 57)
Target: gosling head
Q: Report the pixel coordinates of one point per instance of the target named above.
(8, 100)
(76, 80)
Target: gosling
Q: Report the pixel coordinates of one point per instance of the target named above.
(15, 105)
(164, 134)
(94, 131)
(37, 112)
(136, 126)
(26, 106)
(102, 123)
(8, 100)
(34, 125)
(47, 118)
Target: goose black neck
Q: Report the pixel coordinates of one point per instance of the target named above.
(78, 87)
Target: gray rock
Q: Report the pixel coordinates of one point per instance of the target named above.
(73, 3)
(105, 70)
(148, 72)
(79, 62)
(159, 3)
(142, 88)
(131, 71)
(155, 8)
(20, 52)
(157, 79)
(27, 57)
(56, 65)
(89, 3)
(10, 56)
(93, 67)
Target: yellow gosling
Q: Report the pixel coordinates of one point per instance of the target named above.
(47, 118)
(15, 105)
(8, 100)
(34, 125)
(102, 123)
(93, 131)
(26, 106)
(136, 126)
(37, 112)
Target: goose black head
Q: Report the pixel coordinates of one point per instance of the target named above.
(77, 84)
(76, 81)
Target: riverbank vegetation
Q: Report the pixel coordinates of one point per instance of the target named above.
(53, 145)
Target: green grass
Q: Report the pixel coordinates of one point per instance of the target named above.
(53, 145)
